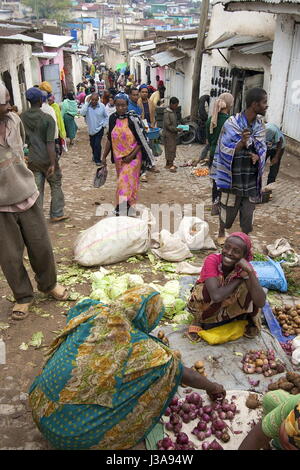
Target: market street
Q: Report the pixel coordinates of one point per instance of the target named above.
(278, 218)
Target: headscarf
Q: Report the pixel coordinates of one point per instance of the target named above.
(247, 240)
(160, 84)
(45, 86)
(225, 101)
(34, 95)
(292, 426)
(3, 91)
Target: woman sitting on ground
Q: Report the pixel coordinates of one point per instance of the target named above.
(107, 381)
(280, 427)
(227, 289)
(127, 142)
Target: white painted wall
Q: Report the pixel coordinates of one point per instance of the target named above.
(280, 67)
(12, 55)
(112, 56)
(241, 22)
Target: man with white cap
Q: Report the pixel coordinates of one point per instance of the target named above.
(22, 222)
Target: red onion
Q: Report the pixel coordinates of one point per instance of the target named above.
(194, 398)
(174, 419)
(186, 418)
(181, 413)
(229, 415)
(192, 415)
(193, 407)
(232, 407)
(226, 407)
(200, 412)
(186, 407)
(177, 428)
(218, 434)
(168, 412)
(217, 406)
(214, 415)
(265, 367)
(169, 426)
(195, 431)
(175, 408)
(201, 436)
(214, 445)
(208, 433)
(174, 401)
(202, 426)
(172, 447)
(222, 415)
(207, 409)
(219, 425)
(182, 438)
(191, 445)
(166, 442)
(206, 417)
(205, 446)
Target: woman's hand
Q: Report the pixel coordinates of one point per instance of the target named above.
(129, 158)
(216, 391)
(245, 266)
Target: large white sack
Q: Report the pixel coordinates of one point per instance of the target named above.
(111, 240)
(195, 233)
(171, 247)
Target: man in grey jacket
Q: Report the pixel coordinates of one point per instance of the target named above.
(170, 134)
(22, 222)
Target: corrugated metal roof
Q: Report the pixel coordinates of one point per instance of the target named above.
(257, 48)
(45, 55)
(54, 40)
(19, 38)
(184, 36)
(228, 40)
(167, 57)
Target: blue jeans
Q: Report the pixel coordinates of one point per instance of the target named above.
(57, 196)
(95, 143)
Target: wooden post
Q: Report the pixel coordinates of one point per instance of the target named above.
(198, 58)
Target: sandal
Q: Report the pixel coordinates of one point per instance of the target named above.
(173, 169)
(59, 219)
(192, 333)
(20, 311)
(59, 292)
(251, 331)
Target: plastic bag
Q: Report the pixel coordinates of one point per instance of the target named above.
(224, 333)
(270, 275)
(100, 177)
(111, 240)
(171, 247)
(195, 233)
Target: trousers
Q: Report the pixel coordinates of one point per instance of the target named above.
(20, 229)
(57, 196)
(95, 143)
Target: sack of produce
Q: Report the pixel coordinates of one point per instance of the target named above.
(112, 240)
(195, 233)
(270, 275)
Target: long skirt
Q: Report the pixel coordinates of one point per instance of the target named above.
(70, 125)
(128, 180)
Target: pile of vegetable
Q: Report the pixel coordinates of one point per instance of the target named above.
(290, 383)
(107, 287)
(289, 319)
(287, 347)
(210, 422)
(201, 172)
(262, 362)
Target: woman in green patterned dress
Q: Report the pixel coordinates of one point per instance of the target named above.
(107, 382)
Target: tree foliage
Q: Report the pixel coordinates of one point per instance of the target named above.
(50, 9)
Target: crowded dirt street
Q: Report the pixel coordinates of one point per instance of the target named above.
(277, 218)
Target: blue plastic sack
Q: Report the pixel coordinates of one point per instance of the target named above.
(270, 275)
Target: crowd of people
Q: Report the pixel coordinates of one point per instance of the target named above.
(106, 381)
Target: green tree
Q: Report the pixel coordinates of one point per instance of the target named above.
(51, 9)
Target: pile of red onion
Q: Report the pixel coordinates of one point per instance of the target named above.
(262, 362)
(287, 347)
(211, 422)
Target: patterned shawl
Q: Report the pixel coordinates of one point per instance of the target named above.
(230, 136)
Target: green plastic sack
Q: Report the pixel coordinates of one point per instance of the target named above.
(225, 333)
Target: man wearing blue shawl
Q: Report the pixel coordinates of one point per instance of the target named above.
(239, 162)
